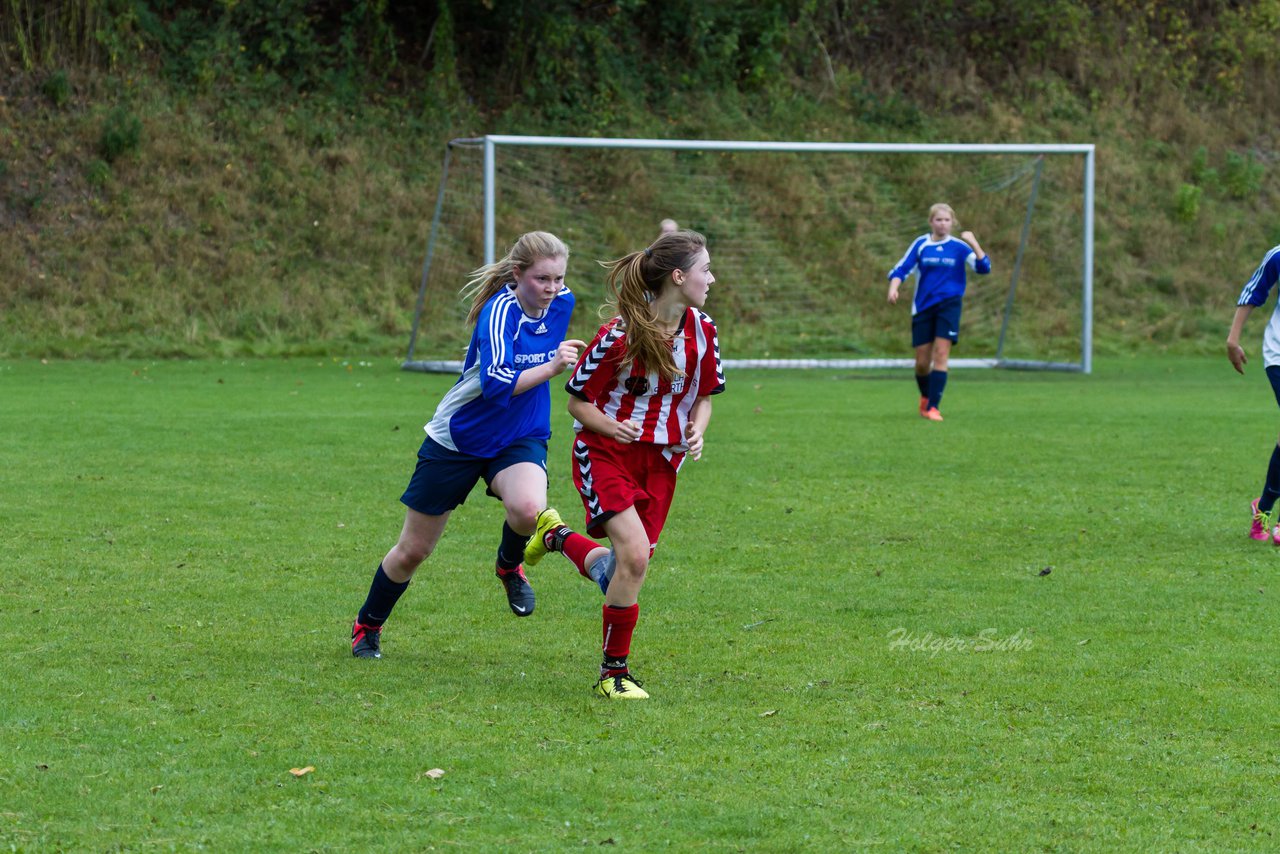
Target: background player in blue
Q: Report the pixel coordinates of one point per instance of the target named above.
(1263, 526)
(493, 424)
(939, 260)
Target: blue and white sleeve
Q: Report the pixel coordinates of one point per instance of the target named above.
(982, 267)
(496, 329)
(907, 264)
(1255, 290)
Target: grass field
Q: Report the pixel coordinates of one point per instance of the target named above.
(1038, 625)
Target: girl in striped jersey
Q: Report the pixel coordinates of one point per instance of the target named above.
(641, 400)
(492, 424)
(1263, 526)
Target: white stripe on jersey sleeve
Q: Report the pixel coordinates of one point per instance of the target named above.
(498, 341)
(913, 253)
(595, 356)
(971, 260)
(702, 347)
(1252, 285)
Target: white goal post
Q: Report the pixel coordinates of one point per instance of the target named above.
(584, 181)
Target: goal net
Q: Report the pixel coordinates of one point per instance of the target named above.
(802, 237)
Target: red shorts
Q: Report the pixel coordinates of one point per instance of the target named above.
(611, 477)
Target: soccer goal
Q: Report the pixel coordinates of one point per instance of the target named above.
(802, 237)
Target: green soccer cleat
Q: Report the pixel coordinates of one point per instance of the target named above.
(549, 522)
(623, 686)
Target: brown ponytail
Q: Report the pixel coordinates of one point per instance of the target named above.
(635, 280)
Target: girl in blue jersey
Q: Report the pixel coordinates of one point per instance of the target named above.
(1263, 525)
(493, 424)
(939, 260)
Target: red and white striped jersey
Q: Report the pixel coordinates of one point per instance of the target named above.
(660, 406)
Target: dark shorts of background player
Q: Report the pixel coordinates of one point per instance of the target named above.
(1273, 374)
(940, 320)
(443, 478)
(612, 477)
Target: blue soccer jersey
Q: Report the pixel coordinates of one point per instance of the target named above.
(1255, 293)
(480, 416)
(940, 269)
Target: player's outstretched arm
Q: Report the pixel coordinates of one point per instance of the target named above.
(1235, 353)
(967, 237)
(596, 421)
(893, 290)
(565, 357)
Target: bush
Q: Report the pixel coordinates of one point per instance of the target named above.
(97, 173)
(121, 134)
(1242, 176)
(1186, 203)
(1201, 173)
(57, 88)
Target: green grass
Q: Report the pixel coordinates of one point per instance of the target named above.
(185, 544)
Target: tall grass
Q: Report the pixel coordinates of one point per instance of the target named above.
(257, 195)
(41, 34)
(284, 224)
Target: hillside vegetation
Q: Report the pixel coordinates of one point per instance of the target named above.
(181, 178)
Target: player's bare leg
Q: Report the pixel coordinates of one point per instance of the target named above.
(631, 550)
(941, 353)
(418, 539)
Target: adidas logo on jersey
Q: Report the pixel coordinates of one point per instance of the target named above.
(542, 328)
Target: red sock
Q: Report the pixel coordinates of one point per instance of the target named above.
(619, 623)
(576, 548)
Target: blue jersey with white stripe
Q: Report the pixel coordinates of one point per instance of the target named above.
(940, 268)
(480, 416)
(1255, 293)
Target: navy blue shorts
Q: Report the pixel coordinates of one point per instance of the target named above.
(940, 320)
(1273, 374)
(443, 478)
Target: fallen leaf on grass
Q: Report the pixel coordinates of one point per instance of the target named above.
(302, 772)
(1083, 642)
(434, 773)
(769, 713)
